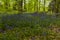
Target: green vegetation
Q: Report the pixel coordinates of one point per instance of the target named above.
(29, 19)
(19, 6)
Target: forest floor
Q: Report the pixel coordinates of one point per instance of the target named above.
(29, 27)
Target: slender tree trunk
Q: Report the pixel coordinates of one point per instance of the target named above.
(20, 6)
(24, 5)
(6, 4)
(44, 6)
(39, 5)
(34, 5)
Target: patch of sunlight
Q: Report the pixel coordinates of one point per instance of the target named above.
(27, 1)
(46, 2)
(1, 2)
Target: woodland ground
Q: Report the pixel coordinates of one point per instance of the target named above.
(29, 27)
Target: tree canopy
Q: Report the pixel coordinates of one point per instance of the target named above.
(29, 6)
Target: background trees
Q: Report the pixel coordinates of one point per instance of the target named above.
(30, 5)
(54, 7)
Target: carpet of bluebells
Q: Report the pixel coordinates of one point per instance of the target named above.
(36, 26)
